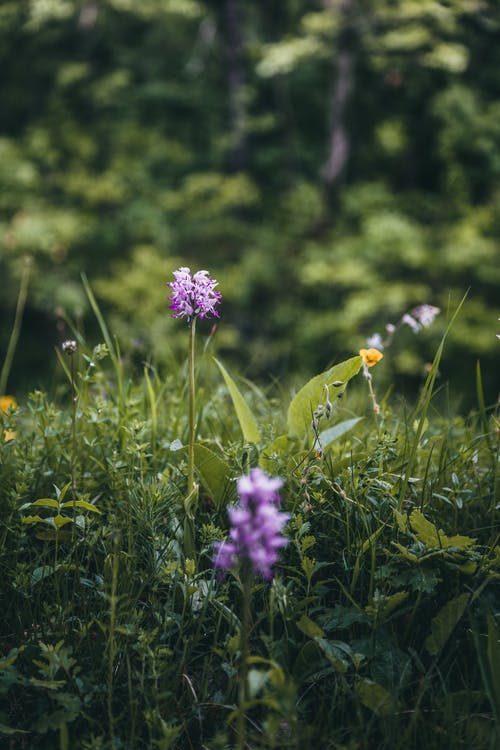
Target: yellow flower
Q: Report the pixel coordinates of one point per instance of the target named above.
(370, 356)
(6, 403)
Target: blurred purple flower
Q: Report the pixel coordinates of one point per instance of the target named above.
(425, 314)
(193, 295)
(375, 342)
(256, 525)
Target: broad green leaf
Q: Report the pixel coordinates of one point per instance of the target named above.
(311, 395)
(309, 628)
(376, 698)
(333, 433)
(33, 519)
(334, 654)
(59, 520)
(424, 530)
(245, 417)
(46, 502)
(80, 504)
(214, 472)
(444, 623)
(428, 534)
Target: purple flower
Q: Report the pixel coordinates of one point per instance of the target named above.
(193, 295)
(256, 525)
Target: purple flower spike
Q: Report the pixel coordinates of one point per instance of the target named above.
(193, 295)
(256, 525)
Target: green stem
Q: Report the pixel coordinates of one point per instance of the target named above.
(191, 398)
(245, 627)
(16, 328)
(74, 398)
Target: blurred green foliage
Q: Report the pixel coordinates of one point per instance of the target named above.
(138, 136)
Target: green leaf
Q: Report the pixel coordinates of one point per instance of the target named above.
(269, 454)
(424, 530)
(444, 623)
(376, 698)
(309, 628)
(80, 504)
(214, 472)
(428, 534)
(42, 572)
(334, 654)
(33, 519)
(4, 729)
(245, 417)
(59, 520)
(333, 433)
(311, 395)
(46, 502)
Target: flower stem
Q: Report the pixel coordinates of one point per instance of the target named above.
(245, 627)
(74, 398)
(16, 328)
(191, 397)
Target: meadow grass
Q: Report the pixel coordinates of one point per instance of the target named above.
(380, 629)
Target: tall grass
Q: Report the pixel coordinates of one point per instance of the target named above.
(380, 629)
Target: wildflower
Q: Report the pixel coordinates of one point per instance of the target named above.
(420, 317)
(425, 314)
(69, 347)
(8, 403)
(408, 320)
(256, 525)
(193, 295)
(375, 342)
(370, 356)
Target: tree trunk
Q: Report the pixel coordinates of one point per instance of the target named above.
(236, 84)
(338, 139)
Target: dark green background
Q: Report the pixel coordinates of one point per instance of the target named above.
(139, 136)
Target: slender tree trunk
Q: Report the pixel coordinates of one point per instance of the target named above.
(236, 83)
(338, 138)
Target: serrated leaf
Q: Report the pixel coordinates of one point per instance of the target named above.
(309, 628)
(401, 521)
(80, 504)
(444, 623)
(376, 698)
(214, 472)
(312, 394)
(428, 534)
(406, 553)
(245, 417)
(424, 530)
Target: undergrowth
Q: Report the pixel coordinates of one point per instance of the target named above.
(380, 629)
